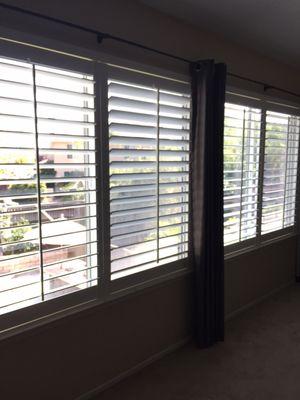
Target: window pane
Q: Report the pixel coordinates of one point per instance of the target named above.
(149, 176)
(280, 171)
(48, 184)
(242, 128)
(66, 143)
(19, 256)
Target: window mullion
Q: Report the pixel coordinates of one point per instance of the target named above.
(38, 183)
(261, 173)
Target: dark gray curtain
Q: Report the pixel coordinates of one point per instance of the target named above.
(208, 96)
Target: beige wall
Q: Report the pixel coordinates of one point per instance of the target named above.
(66, 358)
(252, 275)
(134, 21)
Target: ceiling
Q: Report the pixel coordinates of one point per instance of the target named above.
(271, 27)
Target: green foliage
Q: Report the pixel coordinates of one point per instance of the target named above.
(15, 234)
(30, 188)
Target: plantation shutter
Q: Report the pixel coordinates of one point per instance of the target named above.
(280, 171)
(48, 235)
(242, 127)
(149, 175)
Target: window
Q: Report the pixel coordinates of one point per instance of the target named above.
(241, 172)
(48, 199)
(260, 170)
(280, 171)
(94, 181)
(69, 147)
(149, 176)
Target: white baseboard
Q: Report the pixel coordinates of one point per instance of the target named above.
(91, 393)
(240, 310)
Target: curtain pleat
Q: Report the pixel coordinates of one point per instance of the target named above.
(208, 97)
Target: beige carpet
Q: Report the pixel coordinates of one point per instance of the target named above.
(260, 360)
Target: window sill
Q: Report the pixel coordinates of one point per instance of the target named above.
(247, 248)
(54, 318)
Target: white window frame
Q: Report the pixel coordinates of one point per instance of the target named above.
(265, 103)
(50, 53)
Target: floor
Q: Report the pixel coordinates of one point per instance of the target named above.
(259, 360)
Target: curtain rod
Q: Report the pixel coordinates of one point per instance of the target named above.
(102, 35)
